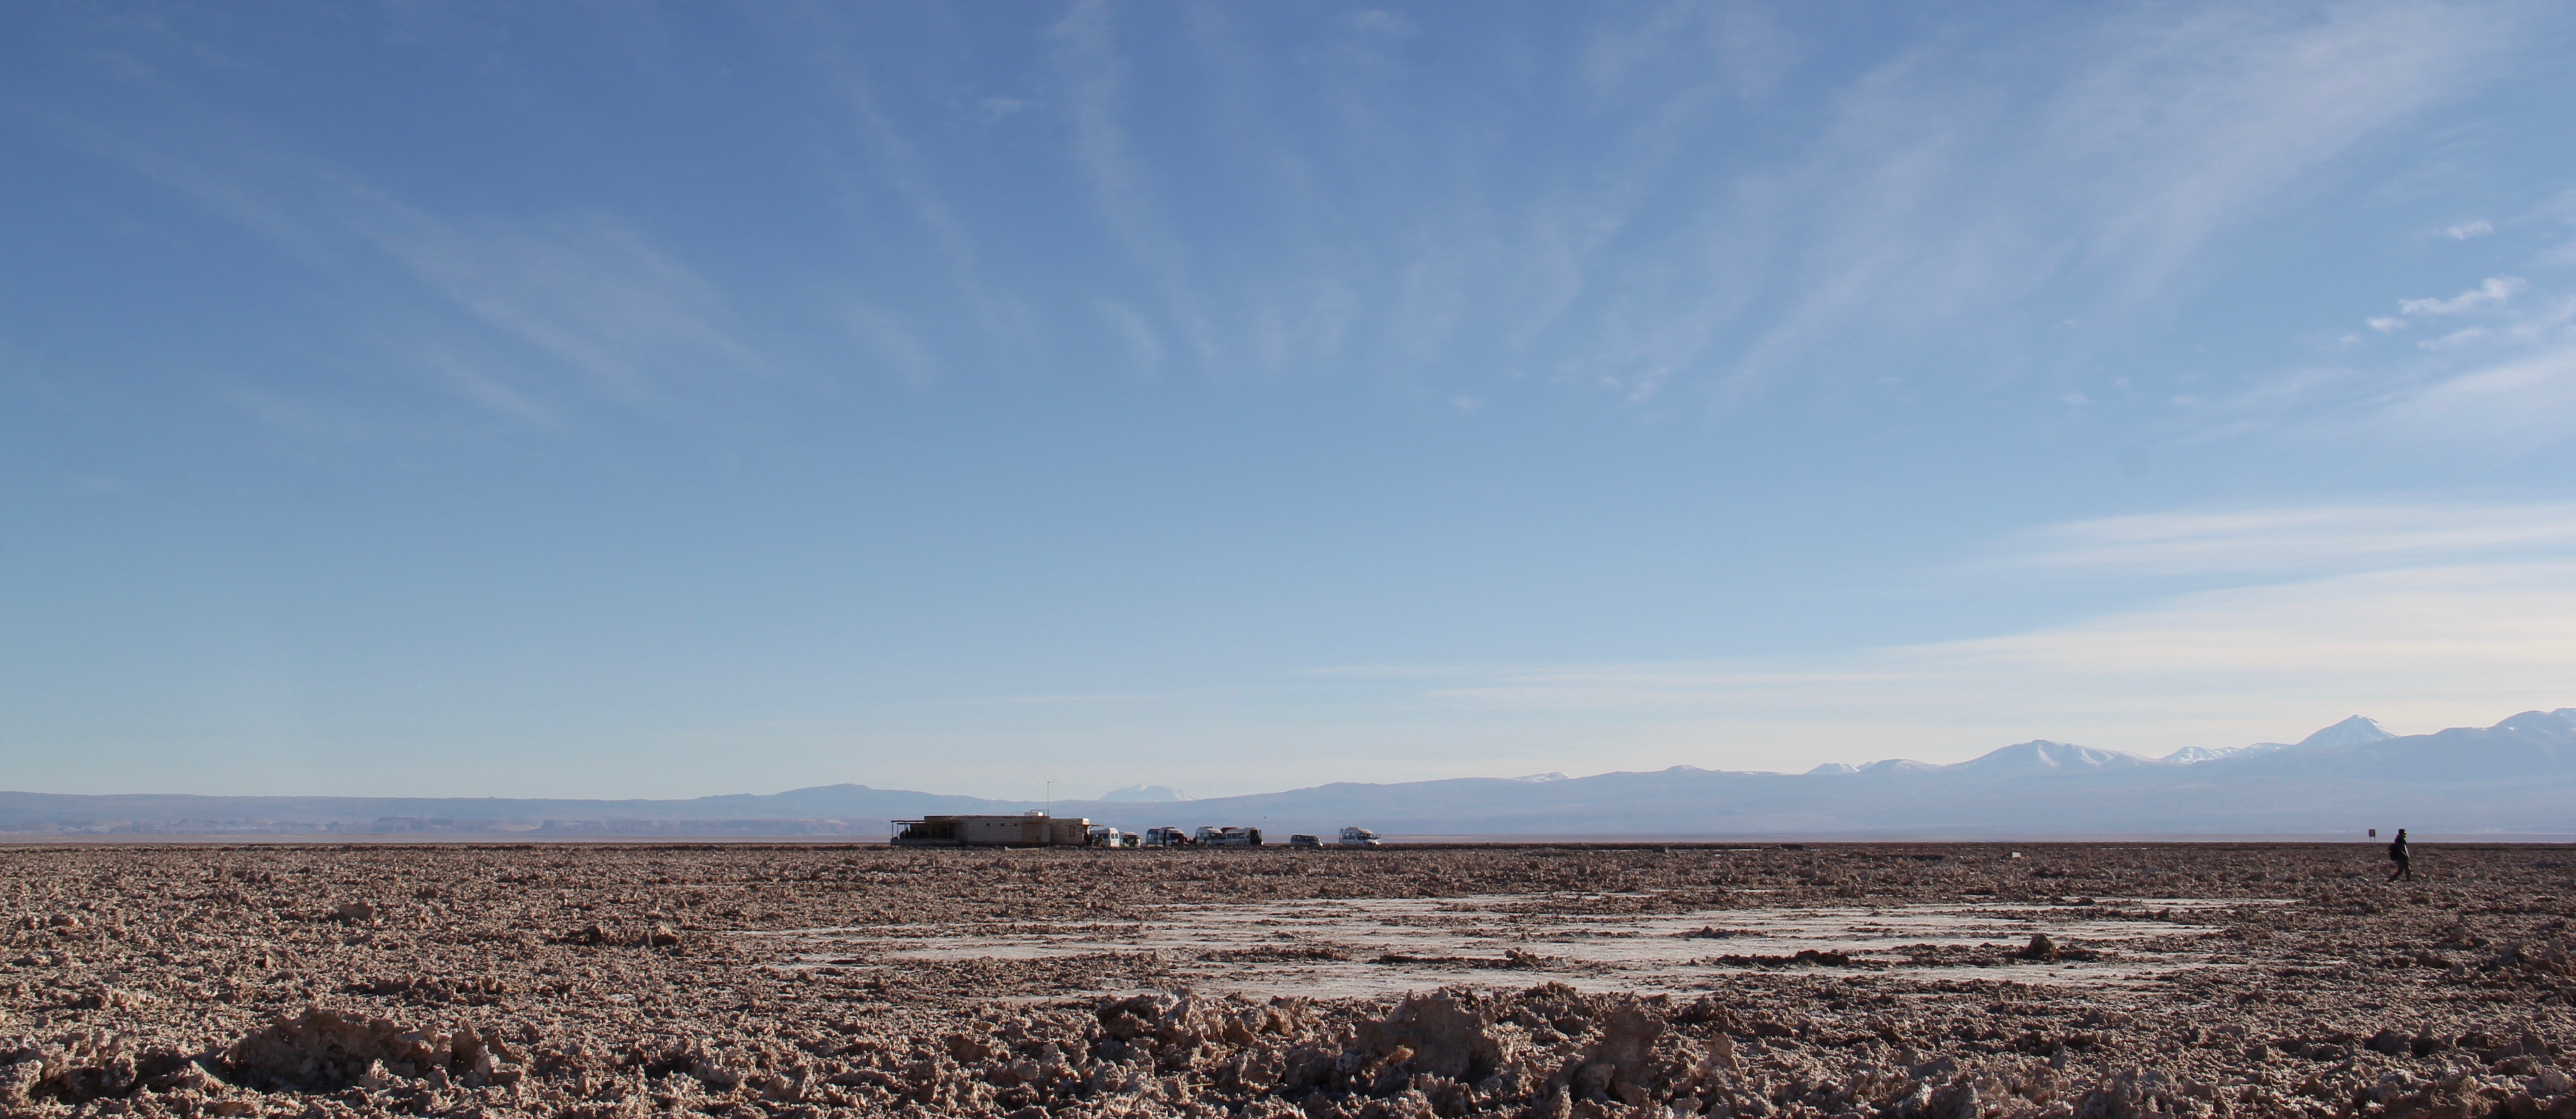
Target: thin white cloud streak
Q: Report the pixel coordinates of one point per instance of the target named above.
(2462, 638)
(582, 294)
(1936, 198)
(2496, 290)
(2428, 616)
(1656, 205)
(1580, 228)
(896, 346)
(2504, 385)
(1300, 312)
(1427, 229)
(2419, 648)
(2199, 124)
(2501, 387)
(898, 167)
(2508, 407)
(1587, 298)
(1143, 345)
(1123, 193)
(593, 295)
(1628, 238)
(2293, 539)
(2423, 615)
(1752, 52)
(1418, 230)
(485, 390)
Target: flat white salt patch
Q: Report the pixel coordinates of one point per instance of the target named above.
(1385, 946)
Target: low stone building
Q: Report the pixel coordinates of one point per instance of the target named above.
(1030, 829)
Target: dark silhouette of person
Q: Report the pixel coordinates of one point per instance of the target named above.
(2397, 854)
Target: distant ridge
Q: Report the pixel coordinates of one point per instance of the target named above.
(2516, 777)
(1143, 794)
(2043, 756)
(823, 810)
(2355, 731)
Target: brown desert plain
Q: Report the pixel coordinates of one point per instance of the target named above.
(1830, 979)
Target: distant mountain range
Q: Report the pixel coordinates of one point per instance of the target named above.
(2516, 777)
(1143, 794)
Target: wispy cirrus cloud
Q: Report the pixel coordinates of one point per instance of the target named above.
(588, 292)
(2494, 292)
(2501, 379)
(890, 163)
(2419, 649)
(576, 306)
(1122, 189)
(895, 344)
(2295, 538)
(1938, 202)
(2424, 616)
(1660, 202)
(2171, 131)
(2492, 373)
(2516, 404)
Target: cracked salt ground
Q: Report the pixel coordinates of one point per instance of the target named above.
(1379, 947)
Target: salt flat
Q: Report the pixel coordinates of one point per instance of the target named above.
(2269, 979)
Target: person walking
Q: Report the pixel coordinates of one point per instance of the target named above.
(2398, 854)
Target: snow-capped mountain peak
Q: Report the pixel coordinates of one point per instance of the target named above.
(2351, 732)
(2043, 756)
(2354, 731)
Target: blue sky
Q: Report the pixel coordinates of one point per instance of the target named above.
(634, 400)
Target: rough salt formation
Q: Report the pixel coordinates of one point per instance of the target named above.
(597, 981)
